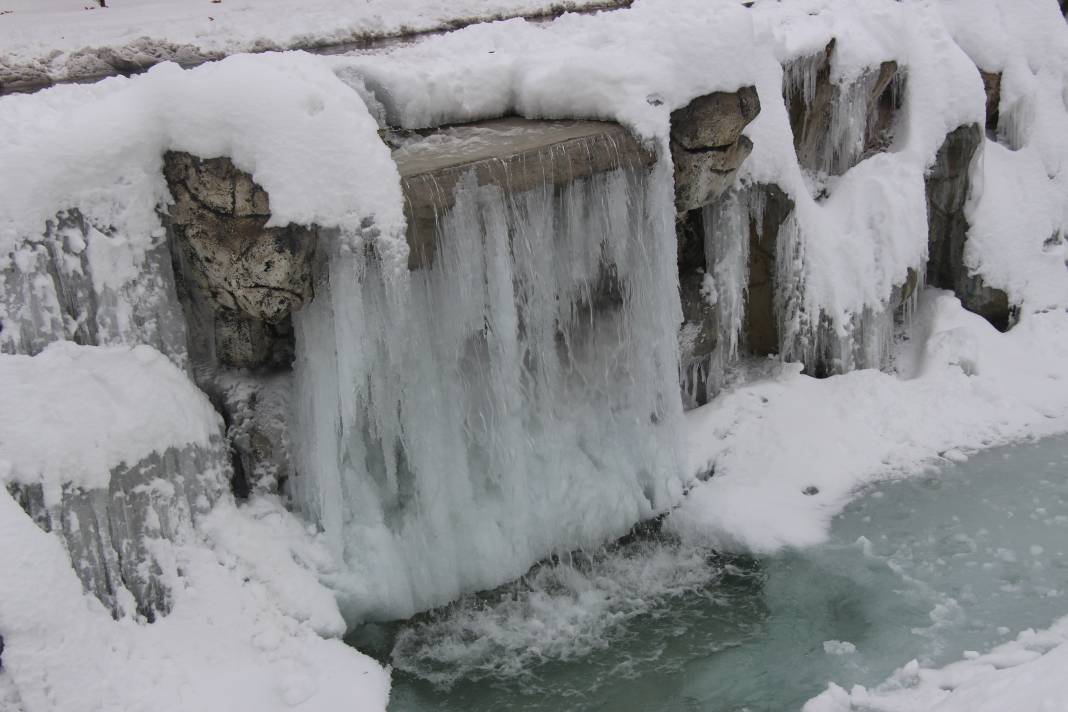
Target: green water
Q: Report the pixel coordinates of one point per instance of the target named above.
(923, 568)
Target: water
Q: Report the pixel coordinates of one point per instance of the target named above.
(924, 568)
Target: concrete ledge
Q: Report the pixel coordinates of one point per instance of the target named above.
(513, 153)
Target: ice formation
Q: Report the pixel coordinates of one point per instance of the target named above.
(515, 398)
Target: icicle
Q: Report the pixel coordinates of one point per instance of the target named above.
(516, 397)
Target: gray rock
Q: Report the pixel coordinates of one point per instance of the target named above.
(707, 145)
(701, 176)
(948, 183)
(258, 409)
(218, 218)
(114, 536)
(714, 120)
(238, 279)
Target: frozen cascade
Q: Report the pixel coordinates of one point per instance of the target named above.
(515, 398)
(756, 217)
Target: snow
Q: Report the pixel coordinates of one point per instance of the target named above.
(71, 413)
(227, 645)
(960, 386)
(63, 39)
(284, 118)
(1024, 675)
(250, 626)
(635, 67)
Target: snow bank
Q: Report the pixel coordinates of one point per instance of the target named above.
(633, 66)
(61, 39)
(227, 645)
(788, 453)
(1024, 675)
(246, 611)
(75, 412)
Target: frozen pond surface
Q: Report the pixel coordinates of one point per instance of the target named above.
(924, 568)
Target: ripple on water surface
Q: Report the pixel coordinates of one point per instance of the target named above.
(922, 568)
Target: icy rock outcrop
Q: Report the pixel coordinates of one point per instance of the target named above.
(707, 145)
(241, 278)
(257, 410)
(728, 259)
(117, 537)
(948, 184)
(836, 124)
(64, 285)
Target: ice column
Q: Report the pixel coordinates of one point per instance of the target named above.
(516, 397)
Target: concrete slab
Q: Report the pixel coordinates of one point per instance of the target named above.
(514, 153)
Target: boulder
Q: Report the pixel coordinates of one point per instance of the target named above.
(218, 220)
(707, 145)
(714, 120)
(701, 176)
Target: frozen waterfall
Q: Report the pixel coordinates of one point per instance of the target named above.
(515, 398)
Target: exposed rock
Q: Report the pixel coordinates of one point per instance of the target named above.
(116, 537)
(702, 176)
(836, 125)
(244, 276)
(884, 100)
(948, 184)
(761, 325)
(714, 120)
(707, 146)
(219, 218)
(992, 86)
(756, 215)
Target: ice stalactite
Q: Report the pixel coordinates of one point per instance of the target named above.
(515, 397)
(837, 122)
(757, 285)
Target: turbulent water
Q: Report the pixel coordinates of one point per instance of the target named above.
(924, 568)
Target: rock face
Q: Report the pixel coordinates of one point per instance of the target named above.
(992, 87)
(707, 146)
(948, 184)
(117, 537)
(836, 125)
(727, 279)
(246, 278)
